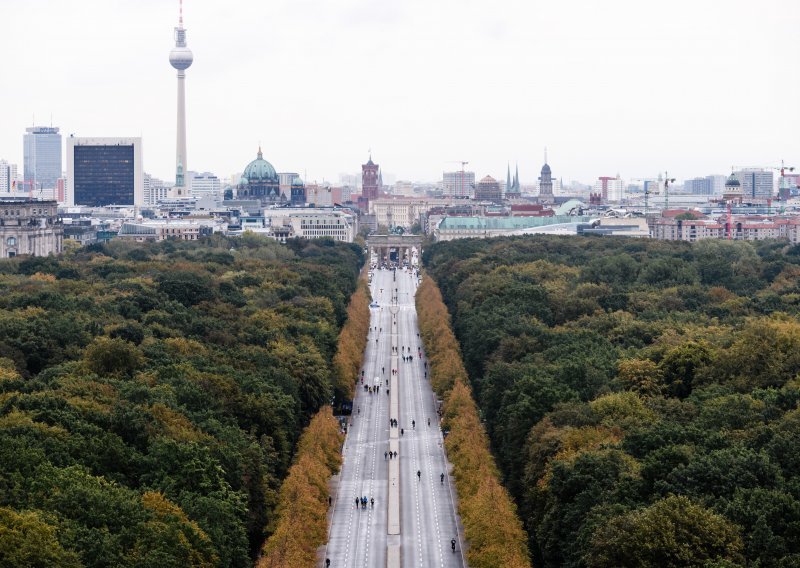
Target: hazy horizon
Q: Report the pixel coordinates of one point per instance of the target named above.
(616, 87)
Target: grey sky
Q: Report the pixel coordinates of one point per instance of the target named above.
(628, 86)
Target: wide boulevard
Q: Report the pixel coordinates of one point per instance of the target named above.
(413, 519)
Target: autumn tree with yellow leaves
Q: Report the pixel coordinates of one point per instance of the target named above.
(492, 528)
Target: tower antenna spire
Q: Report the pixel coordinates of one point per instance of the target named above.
(180, 15)
(545, 154)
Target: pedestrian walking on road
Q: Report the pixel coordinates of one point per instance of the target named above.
(357, 500)
(453, 544)
(330, 500)
(372, 502)
(419, 475)
(413, 425)
(402, 431)
(384, 455)
(429, 422)
(441, 479)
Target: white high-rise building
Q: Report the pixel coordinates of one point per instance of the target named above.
(181, 58)
(610, 188)
(204, 184)
(8, 175)
(458, 184)
(154, 190)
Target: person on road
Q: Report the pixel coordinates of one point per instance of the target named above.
(359, 410)
(419, 475)
(441, 479)
(357, 500)
(429, 421)
(327, 563)
(453, 544)
(385, 454)
(372, 502)
(402, 431)
(413, 424)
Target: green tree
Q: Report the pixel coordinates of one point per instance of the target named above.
(671, 533)
(28, 541)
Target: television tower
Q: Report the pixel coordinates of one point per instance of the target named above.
(181, 59)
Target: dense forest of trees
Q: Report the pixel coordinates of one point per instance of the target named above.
(641, 397)
(151, 396)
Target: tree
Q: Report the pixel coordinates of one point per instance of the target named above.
(113, 357)
(28, 541)
(671, 533)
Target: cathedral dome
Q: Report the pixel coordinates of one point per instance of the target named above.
(732, 181)
(260, 170)
(546, 169)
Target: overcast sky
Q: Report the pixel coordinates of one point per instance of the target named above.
(609, 86)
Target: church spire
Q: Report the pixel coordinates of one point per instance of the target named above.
(508, 177)
(516, 179)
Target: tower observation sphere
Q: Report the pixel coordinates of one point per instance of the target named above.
(181, 58)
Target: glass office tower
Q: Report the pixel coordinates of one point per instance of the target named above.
(42, 157)
(104, 171)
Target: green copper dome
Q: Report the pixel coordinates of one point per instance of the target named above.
(260, 170)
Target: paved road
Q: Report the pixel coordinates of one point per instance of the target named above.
(427, 520)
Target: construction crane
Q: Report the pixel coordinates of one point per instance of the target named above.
(463, 164)
(667, 180)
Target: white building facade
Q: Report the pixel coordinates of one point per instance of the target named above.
(314, 223)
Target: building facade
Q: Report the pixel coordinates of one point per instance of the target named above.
(458, 184)
(104, 171)
(8, 177)
(756, 183)
(488, 189)
(162, 230)
(610, 188)
(404, 211)
(154, 190)
(310, 223)
(41, 156)
(30, 228)
(204, 184)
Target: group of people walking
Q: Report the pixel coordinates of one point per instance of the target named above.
(362, 501)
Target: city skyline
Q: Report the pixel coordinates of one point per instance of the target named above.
(614, 88)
